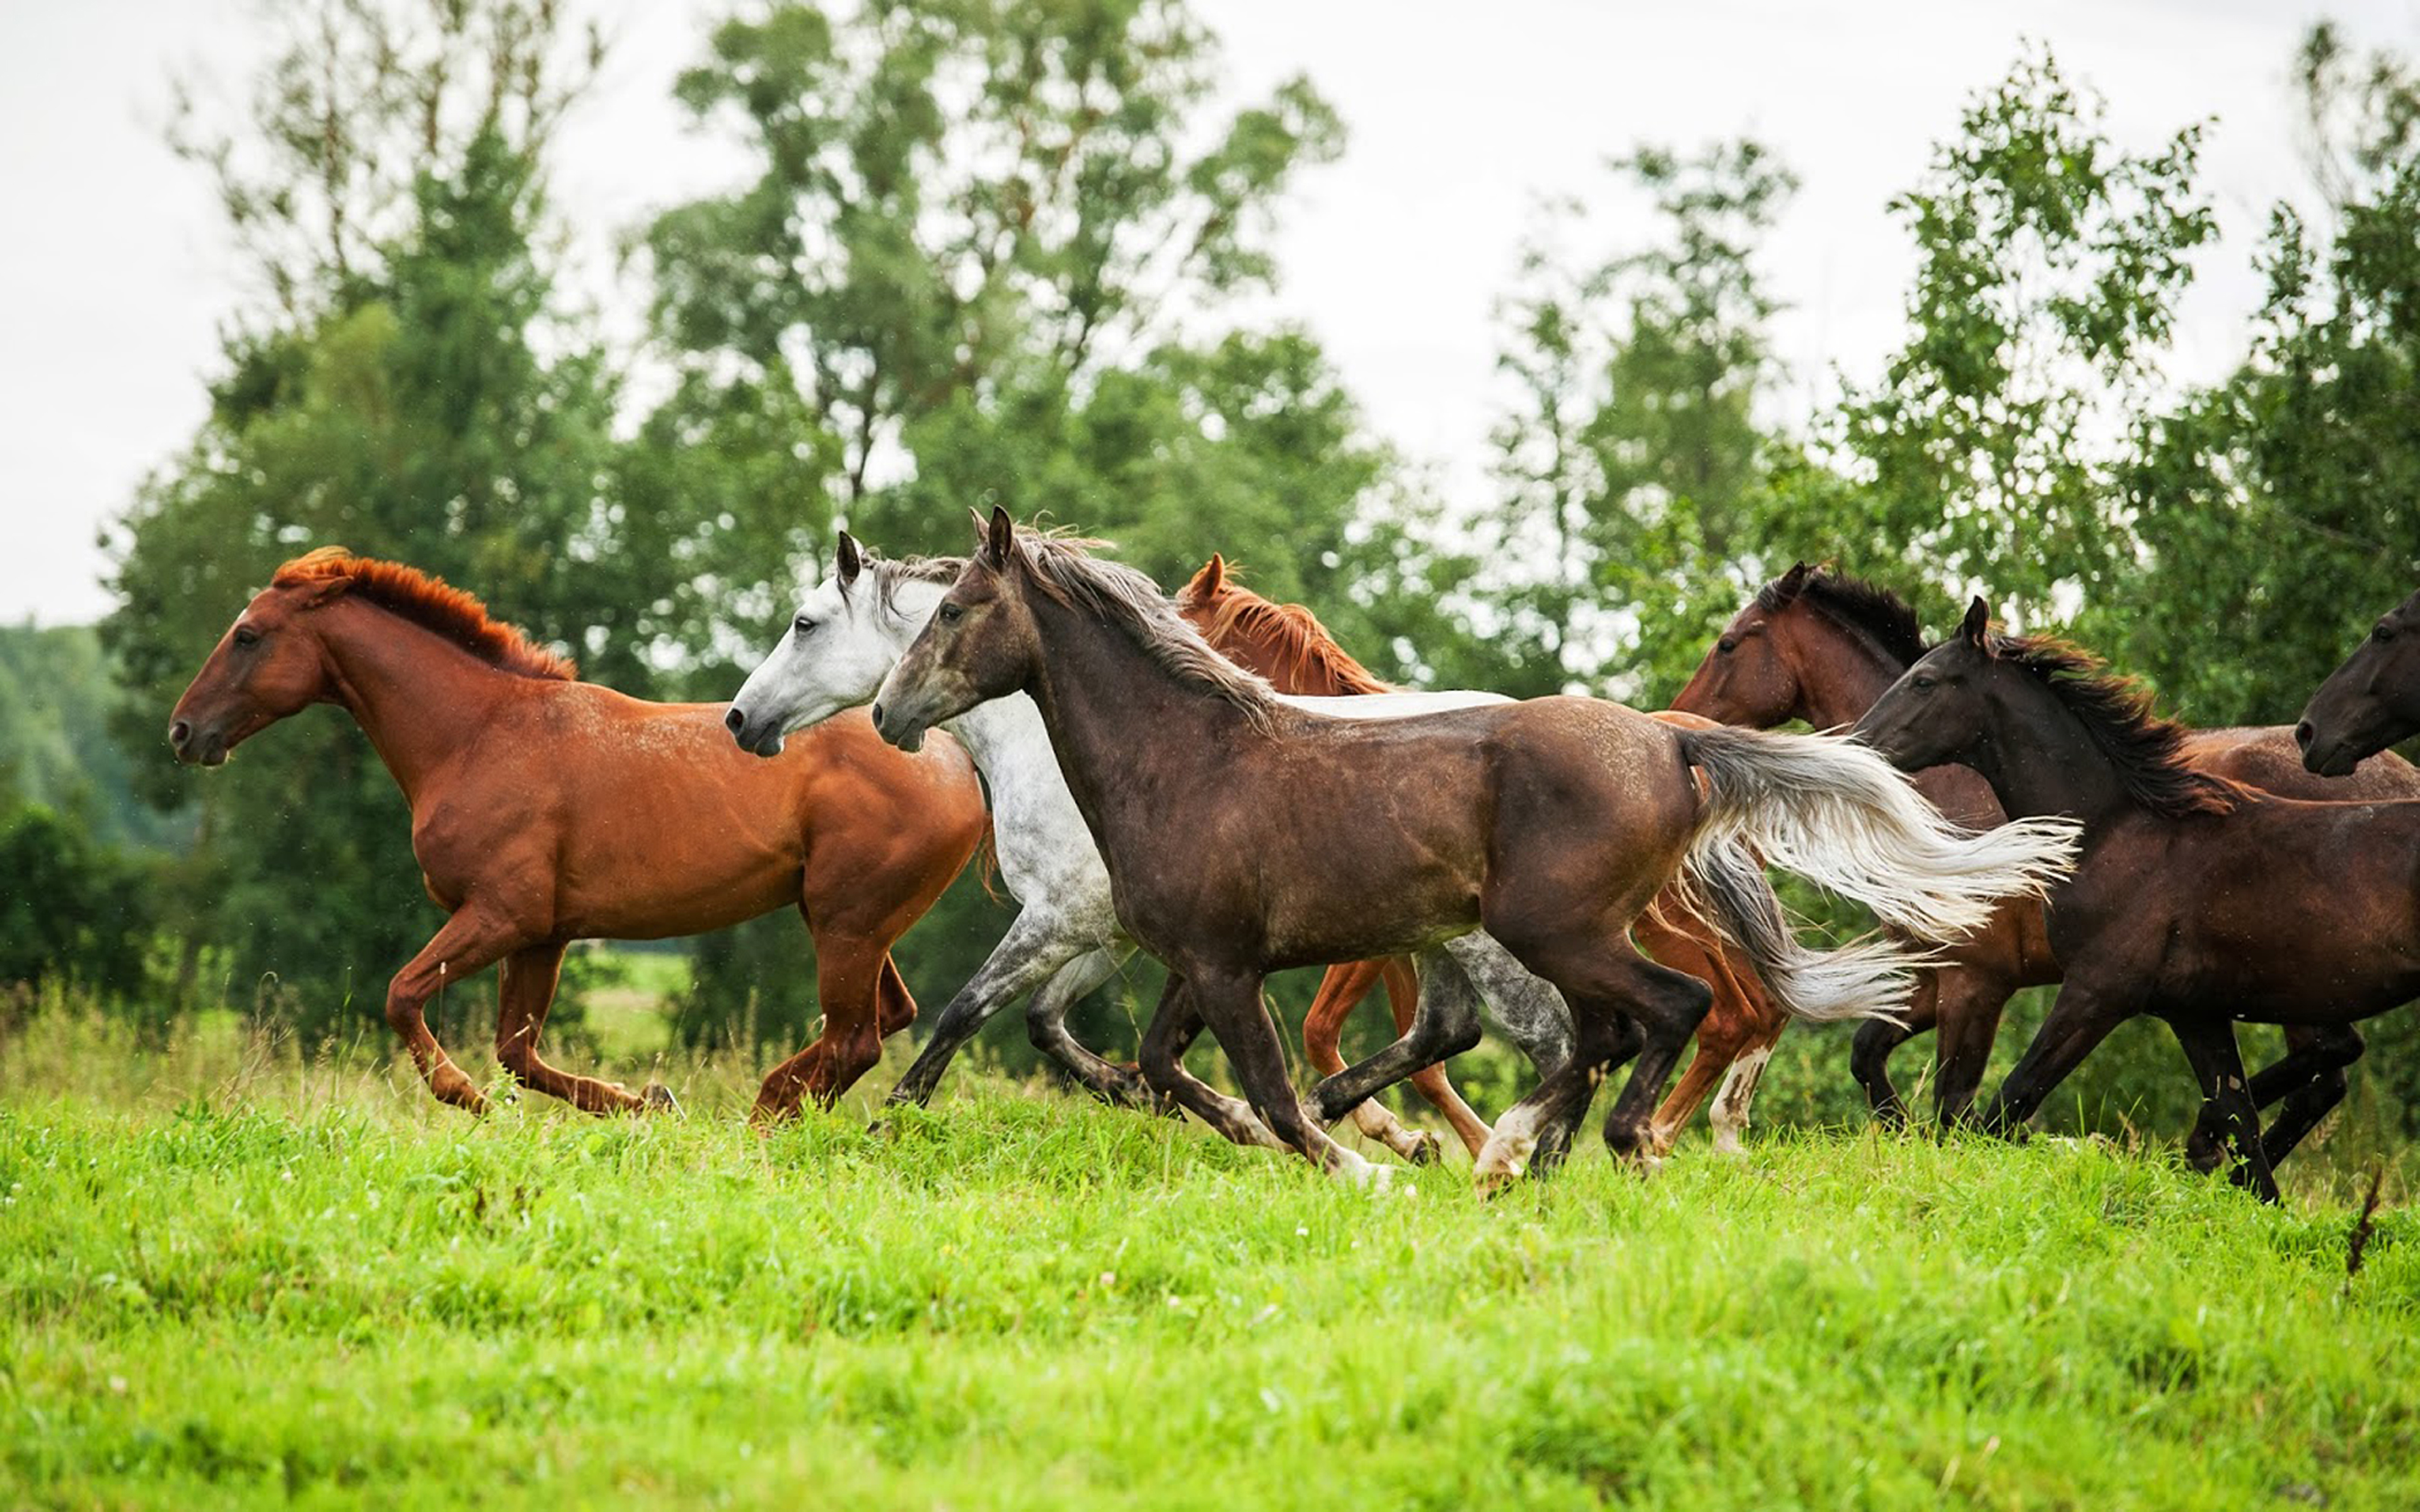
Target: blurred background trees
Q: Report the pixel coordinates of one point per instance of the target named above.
(1002, 251)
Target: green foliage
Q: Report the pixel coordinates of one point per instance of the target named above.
(2287, 493)
(373, 1300)
(398, 402)
(2049, 265)
(58, 689)
(73, 913)
(1634, 449)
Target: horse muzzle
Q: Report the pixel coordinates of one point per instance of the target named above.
(2323, 755)
(763, 739)
(903, 730)
(194, 746)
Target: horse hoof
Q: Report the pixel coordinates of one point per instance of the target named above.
(657, 1098)
(1420, 1150)
(1492, 1180)
(1125, 1088)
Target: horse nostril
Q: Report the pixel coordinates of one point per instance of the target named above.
(734, 721)
(878, 716)
(2302, 733)
(180, 733)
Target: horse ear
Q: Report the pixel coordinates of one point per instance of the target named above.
(1209, 582)
(850, 563)
(1978, 623)
(1000, 540)
(1795, 579)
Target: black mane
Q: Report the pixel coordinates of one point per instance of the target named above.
(1854, 602)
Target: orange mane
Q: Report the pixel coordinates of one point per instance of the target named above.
(427, 602)
(1310, 657)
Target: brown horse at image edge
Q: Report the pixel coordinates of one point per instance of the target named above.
(545, 810)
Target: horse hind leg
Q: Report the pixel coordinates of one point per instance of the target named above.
(1668, 1007)
(1046, 1025)
(1738, 1091)
(524, 993)
(1734, 1039)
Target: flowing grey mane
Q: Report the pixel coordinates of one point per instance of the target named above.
(888, 575)
(1128, 599)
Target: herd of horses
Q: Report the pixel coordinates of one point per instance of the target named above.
(1211, 777)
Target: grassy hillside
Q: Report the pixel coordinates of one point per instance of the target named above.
(229, 1278)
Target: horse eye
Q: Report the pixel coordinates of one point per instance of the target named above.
(247, 636)
(2383, 632)
(804, 626)
(952, 613)
(1727, 645)
(1925, 684)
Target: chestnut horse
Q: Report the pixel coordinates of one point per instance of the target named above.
(546, 810)
(2371, 703)
(1287, 645)
(2197, 900)
(1244, 836)
(1818, 647)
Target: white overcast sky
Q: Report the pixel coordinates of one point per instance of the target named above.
(114, 275)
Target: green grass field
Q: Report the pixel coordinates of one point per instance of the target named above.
(229, 1278)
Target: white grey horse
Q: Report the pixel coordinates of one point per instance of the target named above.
(852, 628)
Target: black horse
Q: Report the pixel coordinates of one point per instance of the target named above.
(2371, 702)
(2197, 901)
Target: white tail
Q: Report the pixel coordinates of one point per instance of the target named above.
(1863, 978)
(1838, 814)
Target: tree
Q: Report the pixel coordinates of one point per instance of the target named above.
(966, 210)
(2290, 494)
(390, 395)
(75, 913)
(2049, 266)
(1633, 447)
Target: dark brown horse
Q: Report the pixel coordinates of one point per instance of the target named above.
(1287, 645)
(2197, 900)
(2371, 703)
(1820, 647)
(546, 810)
(1244, 836)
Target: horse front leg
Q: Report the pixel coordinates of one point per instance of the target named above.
(1228, 1001)
(1173, 1025)
(1341, 991)
(2077, 1023)
(2218, 1063)
(524, 995)
(1045, 1025)
(2310, 1081)
(1027, 956)
(848, 985)
(1445, 1023)
(469, 942)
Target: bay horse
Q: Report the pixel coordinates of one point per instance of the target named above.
(847, 633)
(1820, 647)
(2369, 703)
(1244, 836)
(1286, 644)
(2197, 900)
(545, 810)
